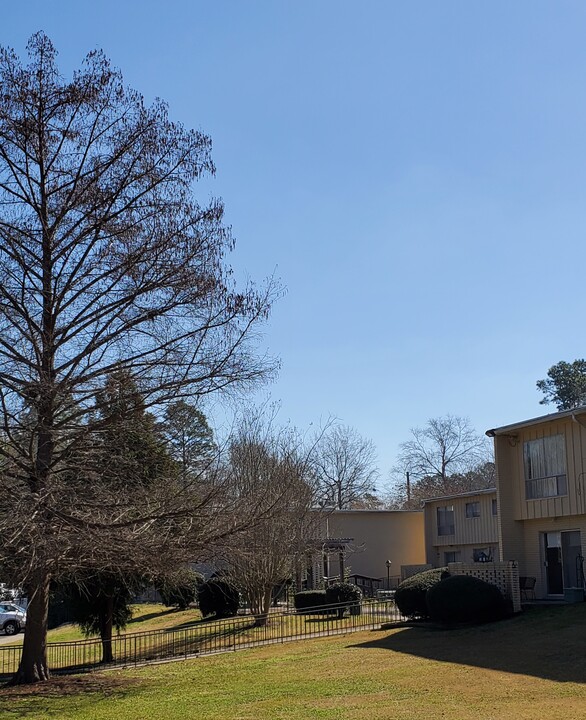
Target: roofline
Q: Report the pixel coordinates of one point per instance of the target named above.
(335, 511)
(469, 493)
(537, 421)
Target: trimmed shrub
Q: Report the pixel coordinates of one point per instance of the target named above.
(180, 588)
(463, 598)
(348, 593)
(218, 597)
(410, 595)
(309, 599)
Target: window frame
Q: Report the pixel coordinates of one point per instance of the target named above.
(472, 509)
(543, 460)
(446, 528)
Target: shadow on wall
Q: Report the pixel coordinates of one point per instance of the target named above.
(544, 642)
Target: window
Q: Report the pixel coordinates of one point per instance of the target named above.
(494, 508)
(472, 509)
(450, 557)
(445, 520)
(482, 554)
(545, 467)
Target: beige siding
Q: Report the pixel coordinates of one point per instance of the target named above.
(531, 559)
(509, 486)
(522, 522)
(378, 536)
(573, 502)
(469, 533)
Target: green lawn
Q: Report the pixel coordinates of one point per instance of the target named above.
(529, 667)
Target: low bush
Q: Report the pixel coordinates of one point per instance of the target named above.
(218, 597)
(347, 593)
(180, 588)
(410, 595)
(463, 598)
(309, 599)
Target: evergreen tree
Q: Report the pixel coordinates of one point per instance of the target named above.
(128, 452)
(190, 437)
(565, 385)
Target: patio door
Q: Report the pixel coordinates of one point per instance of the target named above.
(562, 551)
(553, 563)
(571, 556)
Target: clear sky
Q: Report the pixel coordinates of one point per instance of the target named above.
(414, 172)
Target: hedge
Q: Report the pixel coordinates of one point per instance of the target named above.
(410, 595)
(218, 597)
(464, 598)
(309, 599)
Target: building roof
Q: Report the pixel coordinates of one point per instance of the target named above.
(335, 511)
(469, 493)
(505, 429)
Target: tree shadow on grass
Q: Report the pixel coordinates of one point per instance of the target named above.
(236, 621)
(543, 642)
(150, 616)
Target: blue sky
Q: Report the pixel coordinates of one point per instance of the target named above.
(415, 173)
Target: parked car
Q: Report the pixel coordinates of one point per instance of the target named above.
(12, 618)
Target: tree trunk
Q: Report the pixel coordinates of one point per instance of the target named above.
(262, 618)
(106, 630)
(33, 662)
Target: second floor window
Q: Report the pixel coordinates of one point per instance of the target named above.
(445, 520)
(545, 467)
(472, 509)
(494, 507)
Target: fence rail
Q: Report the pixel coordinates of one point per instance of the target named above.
(208, 637)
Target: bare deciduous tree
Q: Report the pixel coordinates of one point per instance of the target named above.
(106, 262)
(345, 466)
(277, 465)
(446, 456)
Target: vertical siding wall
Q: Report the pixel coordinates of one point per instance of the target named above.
(470, 533)
(523, 522)
(573, 502)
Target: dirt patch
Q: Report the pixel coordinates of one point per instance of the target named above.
(63, 685)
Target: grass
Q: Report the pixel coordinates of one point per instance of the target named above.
(183, 633)
(528, 667)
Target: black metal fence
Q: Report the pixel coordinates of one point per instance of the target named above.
(208, 637)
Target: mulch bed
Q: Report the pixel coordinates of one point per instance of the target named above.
(63, 685)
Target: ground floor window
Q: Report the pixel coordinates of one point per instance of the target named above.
(482, 554)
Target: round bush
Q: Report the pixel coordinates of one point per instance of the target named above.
(219, 598)
(347, 593)
(462, 598)
(410, 595)
(180, 589)
(343, 592)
